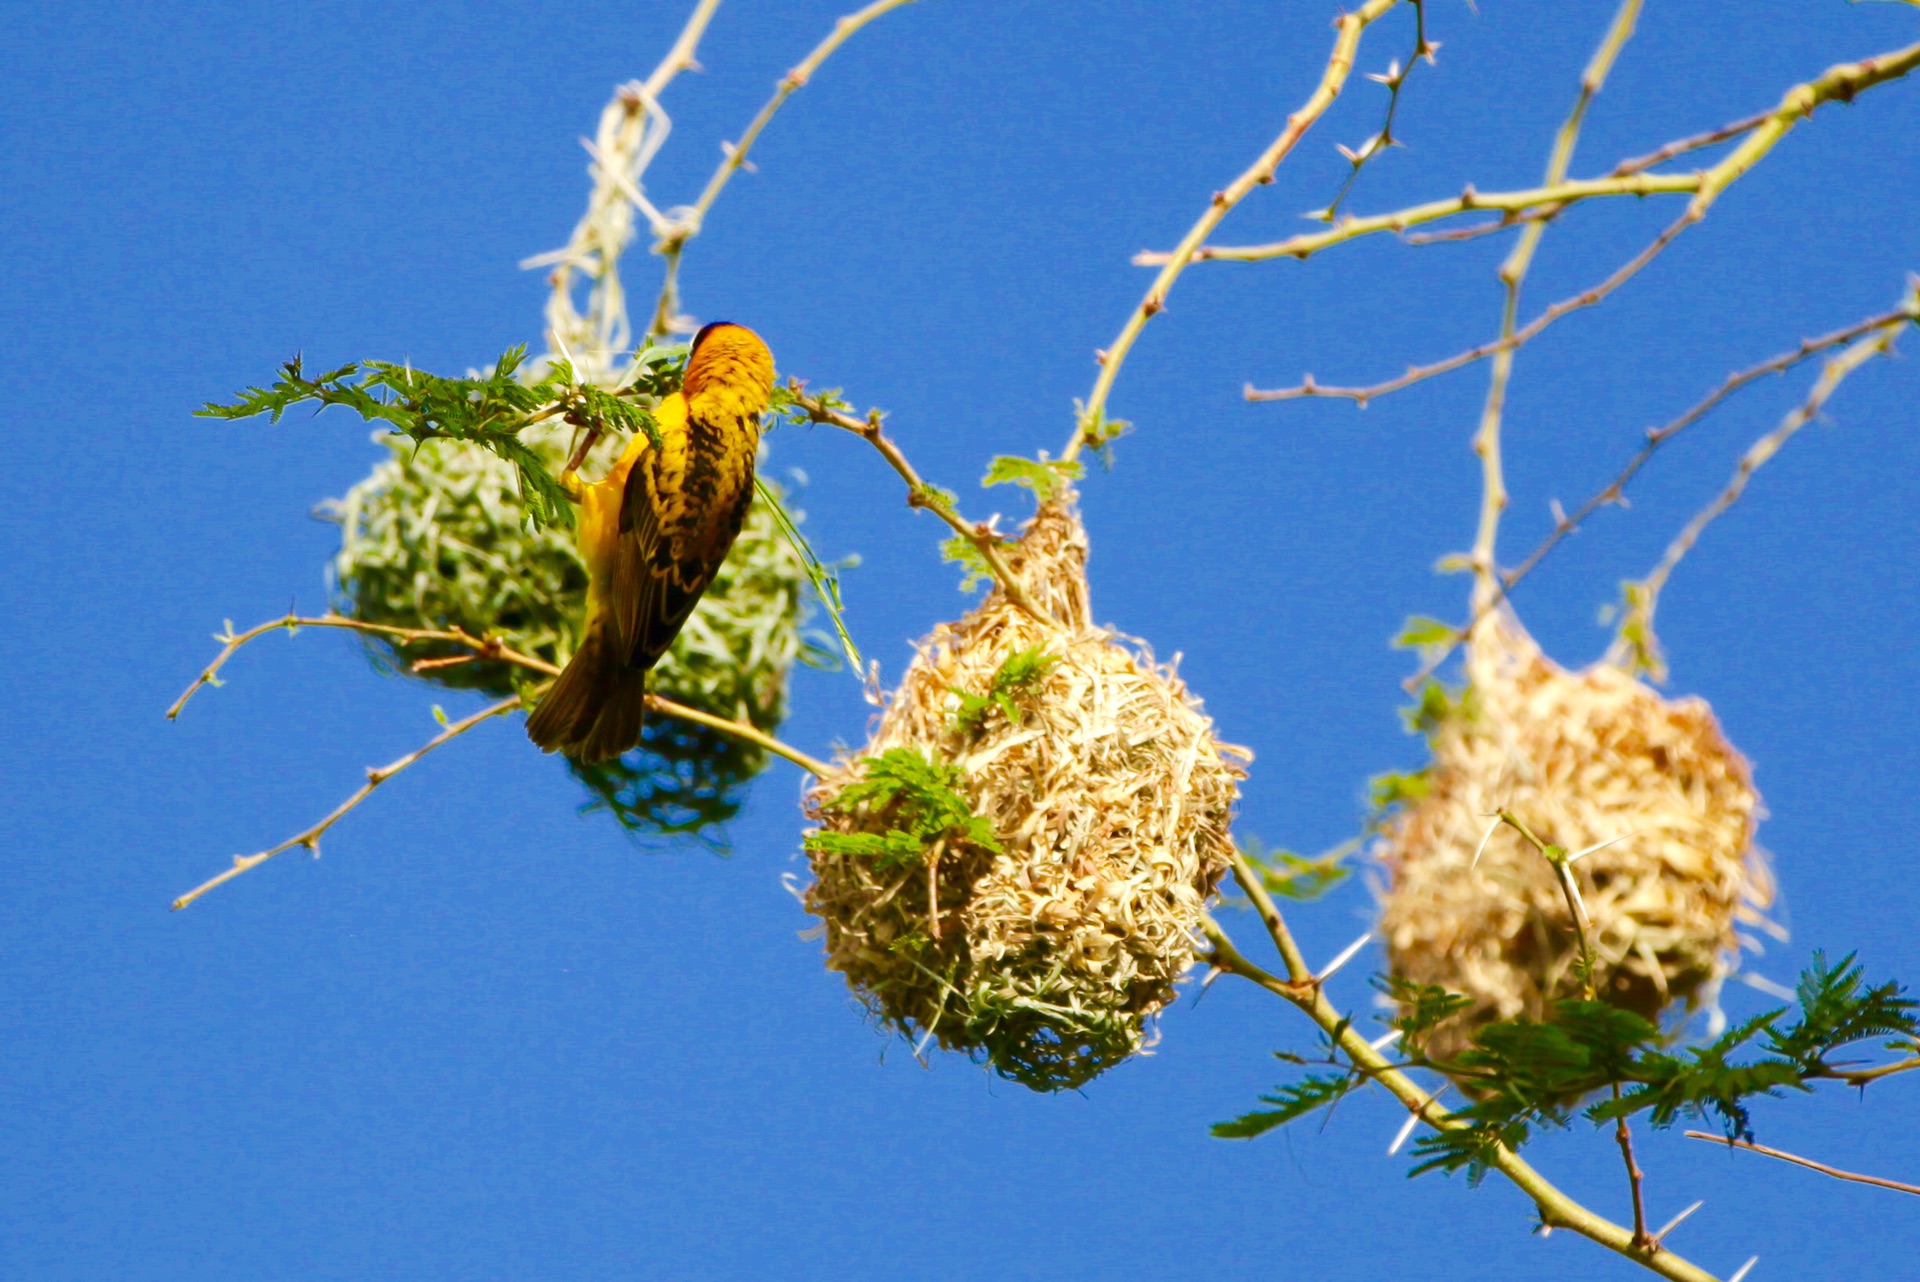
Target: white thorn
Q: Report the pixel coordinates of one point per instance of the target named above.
(1743, 1269)
(1385, 1040)
(1574, 859)
(1676, 1221)
(1413, 1119)
(1772, 988)
(1482, 848)
(1400, 1137)
(1345, 956)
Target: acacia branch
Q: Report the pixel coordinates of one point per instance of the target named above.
(1339, 66)
(1395, 79)
(739, 730)
(1807, 1162)
(1505, 343)
(680, 57)
(1506, 222)
(920, 494)
(1839, 84)
(1531, 202)
(1547, 211)
(1861, 1076)
(1555, 1208)
(1513, 273)
(1680, 147)
(1623, 1135)
(479, 649)
(1562, 865)
(673, 245)
(1250, 882)
(310, 838)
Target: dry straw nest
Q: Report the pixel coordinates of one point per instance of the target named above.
(437, 537)
(1045, 938)
(1581, 758)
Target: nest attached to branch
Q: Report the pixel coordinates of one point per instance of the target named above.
(1580, 758)
(1109, 801)
(436, 537)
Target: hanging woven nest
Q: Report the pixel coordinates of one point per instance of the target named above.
(1042, 918)
(437, 537)
(1582, 759)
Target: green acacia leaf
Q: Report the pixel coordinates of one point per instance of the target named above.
(1295, 1100)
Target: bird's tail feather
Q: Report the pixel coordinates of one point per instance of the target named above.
(596, 706)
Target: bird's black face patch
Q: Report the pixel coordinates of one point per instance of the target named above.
(701, 337)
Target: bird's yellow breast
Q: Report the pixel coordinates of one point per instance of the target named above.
(598, 533)
(700, 478)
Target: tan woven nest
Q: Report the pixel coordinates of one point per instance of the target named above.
(1580, 758)
(1110, 799)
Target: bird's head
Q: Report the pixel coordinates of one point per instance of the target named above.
(730, 368)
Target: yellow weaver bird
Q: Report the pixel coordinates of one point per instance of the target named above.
(653, 531)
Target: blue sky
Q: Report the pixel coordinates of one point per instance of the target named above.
(486, 1037)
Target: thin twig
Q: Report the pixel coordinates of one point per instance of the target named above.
(481, 649)
(1838, 84)
(921, 495)
(488, 648)
(1807, 1162)
(1614, 492)
(1339, 66)
(1862, 1076)
(1562, 864)
(481, 646)
(1395, 79)
(1680, 147)
(680, 57)
(1576, 907)
(1645, 596)
(1506, 343)
(673, 245)
(739, 730)
(1526, 201)
(1256, 892)
(1635, 1178)
(1506, 222)
(1626, 168)
(310, 838)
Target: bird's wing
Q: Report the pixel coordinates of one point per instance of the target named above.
(652, 589)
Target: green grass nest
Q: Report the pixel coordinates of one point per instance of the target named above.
(436, 536)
